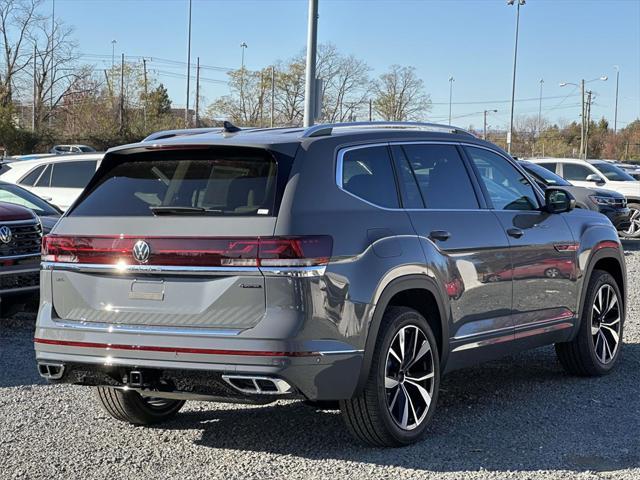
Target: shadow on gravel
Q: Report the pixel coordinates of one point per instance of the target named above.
(17, 356)
(521, 413)
(631, 245)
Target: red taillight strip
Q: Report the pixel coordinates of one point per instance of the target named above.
(152, 348)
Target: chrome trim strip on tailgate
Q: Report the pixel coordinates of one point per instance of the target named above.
(141, 329)
(309, 271)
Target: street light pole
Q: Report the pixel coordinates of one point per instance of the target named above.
(582, 130)
(515, 62)
(113, 53)
(310, 83)
(243, 46)
(186, 108)
(451, 80)
(615, 117)
(540, 108)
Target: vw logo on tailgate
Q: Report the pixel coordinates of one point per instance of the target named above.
(141, 251)
(5, 234)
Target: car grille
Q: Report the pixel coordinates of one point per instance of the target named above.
(620, 202)
(19, 280)
(25, 240)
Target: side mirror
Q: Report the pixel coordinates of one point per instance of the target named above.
(558, 200)
(595, 178)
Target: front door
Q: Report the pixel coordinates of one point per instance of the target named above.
(543, 249)
(464, 244)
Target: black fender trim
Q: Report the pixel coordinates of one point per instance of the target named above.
(408, 282)
(599, 254)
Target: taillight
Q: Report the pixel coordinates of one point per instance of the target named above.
(188, 251)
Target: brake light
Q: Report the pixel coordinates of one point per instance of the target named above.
(188, 251)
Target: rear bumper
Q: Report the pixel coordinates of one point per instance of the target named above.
(316, 369)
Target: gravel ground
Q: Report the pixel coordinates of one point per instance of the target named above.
(520, 417)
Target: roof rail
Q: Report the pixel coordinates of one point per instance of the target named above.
(328, 128)
(180, 132)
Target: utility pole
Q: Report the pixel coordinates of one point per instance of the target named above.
(122, 94)
(186, 108)
(197, 91)
(582, 128)
(273, 94)
(540, 108)
(261, 116)
(146, 94)
(53, 31)
(310, 83)
(243, 47)
(35, 94)
(370, 110)
(615, 117)
(113, 53)
(451, 80)
(484, 131)
(515, 63)
(587, 122)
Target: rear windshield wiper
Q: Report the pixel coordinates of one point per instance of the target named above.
(169, 210)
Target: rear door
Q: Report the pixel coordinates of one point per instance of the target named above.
(448, 212)
(169, 238)
(542, 246)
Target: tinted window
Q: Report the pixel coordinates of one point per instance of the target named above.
(613, 172)
(508, 189)
(204, 183)
(574, 171)
(544, 176)
(32, 176)
(368, 174)
(45, 178)
(441, 176)
(552, 167)
(72, 174)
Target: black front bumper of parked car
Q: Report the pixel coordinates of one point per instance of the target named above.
(619, 216)
(19, 275)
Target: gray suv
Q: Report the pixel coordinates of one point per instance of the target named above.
(349, 264)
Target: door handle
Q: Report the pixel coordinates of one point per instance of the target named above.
(441, 235)
(515, 232)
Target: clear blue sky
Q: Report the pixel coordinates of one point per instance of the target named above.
(560, 40)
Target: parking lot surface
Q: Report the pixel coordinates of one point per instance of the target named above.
(520, 417)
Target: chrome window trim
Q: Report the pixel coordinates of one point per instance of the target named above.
(141, 329)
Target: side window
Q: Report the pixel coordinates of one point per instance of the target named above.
(367, 173)
(442, 178)
(72, 174)
(32, 176)
(45, 178)
(574, 171)
(552, 167)
(508, 189)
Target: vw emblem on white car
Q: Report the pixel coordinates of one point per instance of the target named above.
(5, 234)
(141, 251)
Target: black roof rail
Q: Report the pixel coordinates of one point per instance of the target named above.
(328, 128)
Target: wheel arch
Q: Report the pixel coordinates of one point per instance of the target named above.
(420, 293)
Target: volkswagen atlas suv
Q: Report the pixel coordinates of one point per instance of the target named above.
(351, 263)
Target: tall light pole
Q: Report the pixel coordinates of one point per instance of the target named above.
(515, 62)
(484, 131)
(615, 116)
(583, 115)
(53, 32)
(540, 108)
(243, 47)
(310, 80)
(451, 80)
(113, 53)
(186, 107)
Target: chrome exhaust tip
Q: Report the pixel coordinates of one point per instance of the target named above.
(51, 371)
(258, 385)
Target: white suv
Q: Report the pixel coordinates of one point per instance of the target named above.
(57, 179)
(601, 174)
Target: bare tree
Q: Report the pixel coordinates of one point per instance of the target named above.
(18, 21)
(399, 95)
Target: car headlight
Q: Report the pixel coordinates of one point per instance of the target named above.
(607, 201)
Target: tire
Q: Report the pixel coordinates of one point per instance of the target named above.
(131, 407)
(634, 228)
(596, 348)
(376, 415)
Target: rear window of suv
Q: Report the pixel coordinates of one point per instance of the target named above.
(216, 182)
